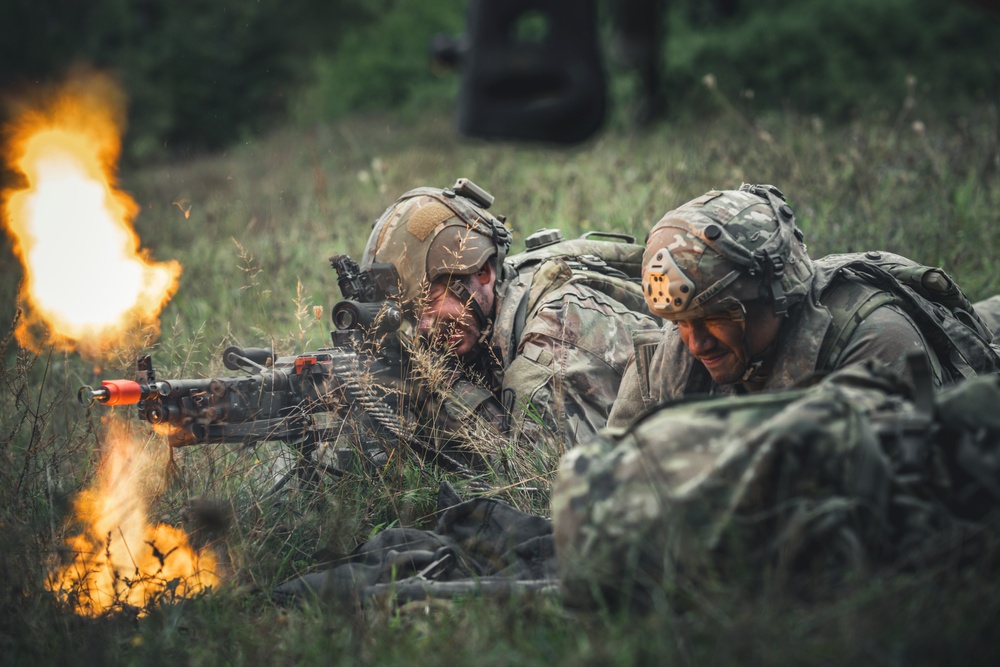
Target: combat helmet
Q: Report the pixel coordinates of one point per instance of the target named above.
(433, 232)
(722, 250)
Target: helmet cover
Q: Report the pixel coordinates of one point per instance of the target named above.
(723, 249)
(431, 233)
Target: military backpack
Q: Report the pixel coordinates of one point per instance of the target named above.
(611, 263)
(854, 285)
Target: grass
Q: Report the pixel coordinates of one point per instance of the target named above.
(253, 228)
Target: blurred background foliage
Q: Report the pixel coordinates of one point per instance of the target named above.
(837, 58)
(206, 75)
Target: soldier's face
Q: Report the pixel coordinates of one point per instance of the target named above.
(717, 341)
(449, 321)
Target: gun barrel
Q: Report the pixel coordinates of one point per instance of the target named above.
(112, 392)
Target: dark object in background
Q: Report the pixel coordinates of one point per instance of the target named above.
(639, 37)
(530, 70)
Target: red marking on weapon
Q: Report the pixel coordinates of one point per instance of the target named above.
(122, 392)
(302, 362)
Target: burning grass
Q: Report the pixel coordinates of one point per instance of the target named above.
(121, 561)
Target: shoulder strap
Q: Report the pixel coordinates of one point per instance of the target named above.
(853, 286)
(520, 316)
(850, 303)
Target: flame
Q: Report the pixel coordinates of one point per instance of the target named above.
(85, 279)
(120, 560)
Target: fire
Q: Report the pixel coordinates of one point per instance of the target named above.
(85, 279)
(121, 560)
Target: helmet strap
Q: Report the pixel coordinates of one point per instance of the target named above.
(755, 362)
(483, 321)
(751, 371)
(769, 256)
(774, 269)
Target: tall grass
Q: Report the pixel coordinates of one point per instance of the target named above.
(254, 227)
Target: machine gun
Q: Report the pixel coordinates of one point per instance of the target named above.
(281, 399)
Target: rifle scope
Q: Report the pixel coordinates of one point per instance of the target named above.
(376, 318)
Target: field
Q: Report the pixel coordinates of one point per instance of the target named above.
(253, 228)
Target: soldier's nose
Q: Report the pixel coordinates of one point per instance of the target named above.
(428, 322)
(698, 339)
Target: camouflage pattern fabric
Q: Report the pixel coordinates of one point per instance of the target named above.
(887, 326)
(557, 343)
(478, 546)
(788, 488)
(989, 310)
(563, 365)
(427, 234)
(713, 251)
(555, 362)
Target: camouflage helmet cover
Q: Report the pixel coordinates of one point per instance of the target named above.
(429, 233)
(723, 249)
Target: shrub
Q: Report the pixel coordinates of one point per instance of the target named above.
(836, 58)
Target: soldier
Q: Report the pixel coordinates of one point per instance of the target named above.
(544, 348)
(749, 310)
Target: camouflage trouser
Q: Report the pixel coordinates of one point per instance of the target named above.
(813, 482)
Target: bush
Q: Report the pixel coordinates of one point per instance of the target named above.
(838, 58)
(198, 75)
(385, 65)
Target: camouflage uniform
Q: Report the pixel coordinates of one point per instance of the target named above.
(840, 310)
(845, 475)
(562, 370)
(556, 347)
(989, 310)
(789, 488)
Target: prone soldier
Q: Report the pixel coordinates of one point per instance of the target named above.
(547, 339)
(883, 461)
(749, 310)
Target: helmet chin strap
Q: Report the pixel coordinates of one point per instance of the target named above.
(483, 321)
(754, 362)
(753, 365)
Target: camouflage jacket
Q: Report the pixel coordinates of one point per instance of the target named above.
(777, 488)
(989, 310)
(814, 340)
(558, 351)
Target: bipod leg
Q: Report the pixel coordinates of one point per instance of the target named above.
(306, 467)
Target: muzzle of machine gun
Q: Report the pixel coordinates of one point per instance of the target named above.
(116, 392)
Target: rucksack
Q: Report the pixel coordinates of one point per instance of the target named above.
(847, 475)
(856, 284)
(612, 267)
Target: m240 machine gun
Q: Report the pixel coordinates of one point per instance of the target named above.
(281, 398)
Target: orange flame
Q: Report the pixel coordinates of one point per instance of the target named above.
(120, 560)
(85, 279)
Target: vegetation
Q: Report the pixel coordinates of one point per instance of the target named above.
(209, 76)
(836, 58)
(253, 228)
